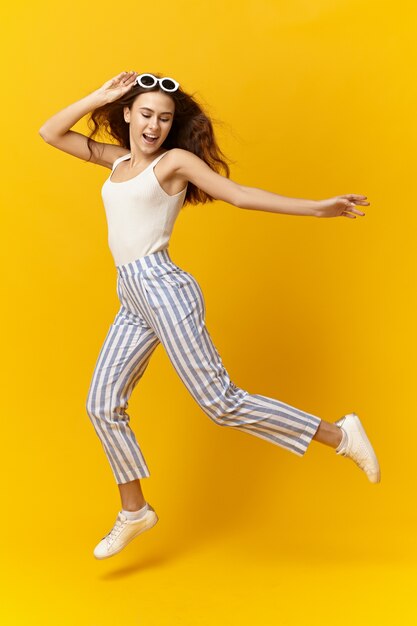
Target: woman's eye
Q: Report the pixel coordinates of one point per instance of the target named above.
(150, 116)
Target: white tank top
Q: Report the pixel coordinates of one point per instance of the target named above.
(140, 214)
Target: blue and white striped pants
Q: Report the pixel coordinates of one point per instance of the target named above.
(162, 303)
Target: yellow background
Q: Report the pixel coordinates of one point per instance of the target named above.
(316, 100)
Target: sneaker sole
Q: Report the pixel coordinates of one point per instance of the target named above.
(361, 429)
(139, 532)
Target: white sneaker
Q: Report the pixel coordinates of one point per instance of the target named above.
(122, 533)
(358, 447)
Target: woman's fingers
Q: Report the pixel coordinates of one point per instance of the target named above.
(124, 75)
(358, 198)
(347, 212)
(120, 76)
(123, 79)
(352, 210)
(129, 77)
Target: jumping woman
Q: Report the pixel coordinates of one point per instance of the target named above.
(166, 154)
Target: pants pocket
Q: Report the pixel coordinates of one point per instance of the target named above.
(177, 278)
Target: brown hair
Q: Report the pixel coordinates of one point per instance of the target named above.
(191, 130)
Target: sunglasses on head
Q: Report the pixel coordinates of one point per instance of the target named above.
(149, 80)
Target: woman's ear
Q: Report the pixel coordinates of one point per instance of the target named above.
(126, 114)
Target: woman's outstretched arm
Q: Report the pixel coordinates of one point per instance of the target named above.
(194, 169)
(339, 206)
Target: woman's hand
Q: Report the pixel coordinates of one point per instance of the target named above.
(117, 86)
(341, 206)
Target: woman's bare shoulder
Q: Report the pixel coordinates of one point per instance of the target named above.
(110, 154)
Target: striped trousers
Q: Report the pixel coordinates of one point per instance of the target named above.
(162, 303)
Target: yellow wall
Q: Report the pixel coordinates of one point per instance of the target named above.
(316, 99)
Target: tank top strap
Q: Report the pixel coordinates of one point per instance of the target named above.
(159, 157)
(121, 158)
(129, 154)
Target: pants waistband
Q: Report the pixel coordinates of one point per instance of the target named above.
(144, 262)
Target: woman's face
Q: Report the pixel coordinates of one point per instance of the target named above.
(151, 114)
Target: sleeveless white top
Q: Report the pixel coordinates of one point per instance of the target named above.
(140, 214)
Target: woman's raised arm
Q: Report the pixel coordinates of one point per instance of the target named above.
(56, 130)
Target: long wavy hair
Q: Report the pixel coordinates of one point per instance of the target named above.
(192, 130)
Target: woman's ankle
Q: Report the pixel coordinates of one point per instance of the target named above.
(133, 506)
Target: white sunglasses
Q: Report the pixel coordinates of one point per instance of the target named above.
(149, 80)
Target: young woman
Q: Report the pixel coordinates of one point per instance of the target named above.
(167, 155)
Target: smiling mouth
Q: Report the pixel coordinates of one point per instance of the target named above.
(149, 139)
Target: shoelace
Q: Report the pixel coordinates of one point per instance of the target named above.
(115, 531)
